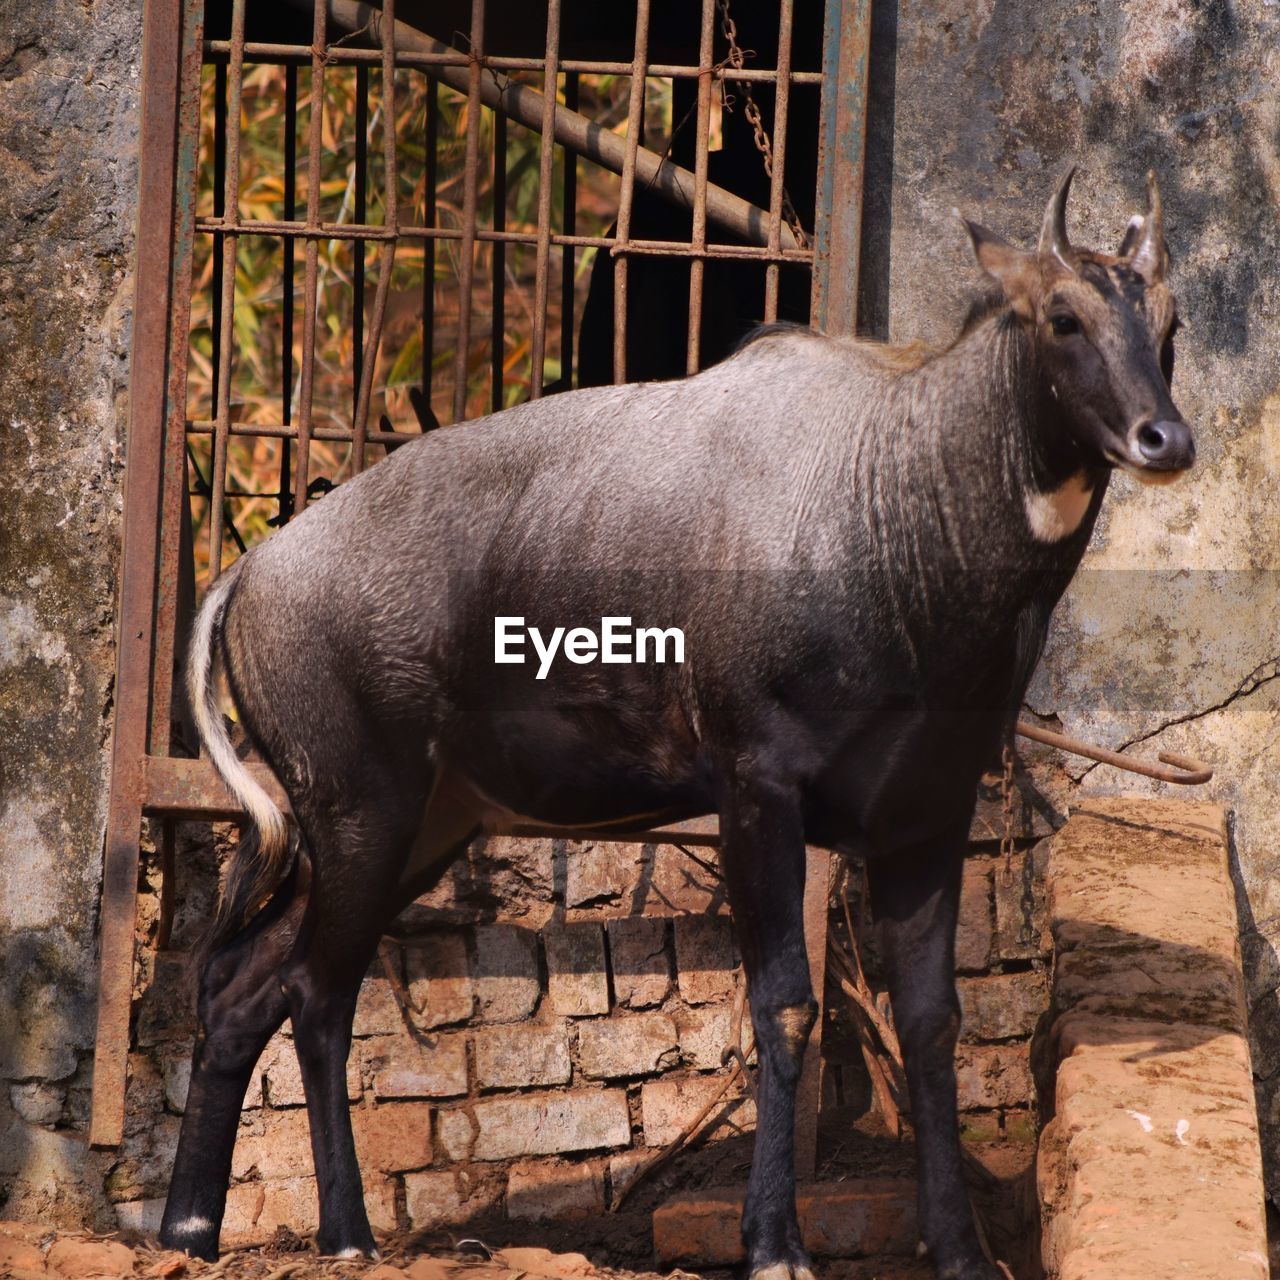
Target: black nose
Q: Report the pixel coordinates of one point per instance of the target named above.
(1167, 446)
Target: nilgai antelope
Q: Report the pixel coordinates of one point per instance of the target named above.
(862, 546)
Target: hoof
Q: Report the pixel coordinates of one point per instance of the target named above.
(195, 1236)
(348, 1250)
(783, 1271)
(352, 1251)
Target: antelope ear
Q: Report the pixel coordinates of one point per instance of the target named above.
(1014, 270)
(1150, 257)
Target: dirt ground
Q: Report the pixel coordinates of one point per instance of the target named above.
(607, 1246)
(28, 1253)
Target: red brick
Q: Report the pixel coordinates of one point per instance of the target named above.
(516, 1057)
(439, 979)
(277, 1146)
(1151, 1163)
(706, 958)
(255, 1210)
(640, 961)
(389, 1139)
(538, 1190)
(518, 873)
(377, 1011)
(974, 929)
(393, 1137)
(680, 886)
(448, 1197)
(603, 874)
(610, 1048)
(403, 1068)
(1001, 1006)
(837, 1219)
(139, 1215)
(993, 1075)
(79, 1259)
(623, 1168)
(506, 984)
(279, 1064)
(668, 1105)
(705, 1032)
(577, 982)
(536, 1124)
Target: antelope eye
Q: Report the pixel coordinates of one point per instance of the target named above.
(1064, 324)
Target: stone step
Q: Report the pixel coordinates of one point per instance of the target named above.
(1150, 1166)
(863, 1217)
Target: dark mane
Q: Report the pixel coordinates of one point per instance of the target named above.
(897, 357)
(983, 305)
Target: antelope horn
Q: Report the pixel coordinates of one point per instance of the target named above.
(1150, 258)
(1053, 231)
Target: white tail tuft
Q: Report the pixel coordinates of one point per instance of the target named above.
(273, 831)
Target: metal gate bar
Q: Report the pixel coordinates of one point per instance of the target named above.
(163, 57)
(842, 140)
(155, 595)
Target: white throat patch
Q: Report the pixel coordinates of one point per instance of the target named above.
(1057, 515)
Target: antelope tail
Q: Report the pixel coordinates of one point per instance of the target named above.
(260, 859)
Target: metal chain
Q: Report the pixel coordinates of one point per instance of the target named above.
(1006, 810)
(736, 59)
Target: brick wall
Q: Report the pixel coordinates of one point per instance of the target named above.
(558, 1014)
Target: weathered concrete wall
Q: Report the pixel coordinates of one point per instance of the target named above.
(1171, 637)
(68, 119)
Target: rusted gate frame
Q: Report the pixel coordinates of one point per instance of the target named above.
(167, 158)
(146, 780)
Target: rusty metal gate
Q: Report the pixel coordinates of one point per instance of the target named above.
(789, 230)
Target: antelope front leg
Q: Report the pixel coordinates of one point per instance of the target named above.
(763, 858)
(915, 897)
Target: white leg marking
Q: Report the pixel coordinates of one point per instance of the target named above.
(193, 1225)
(1057, 515)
